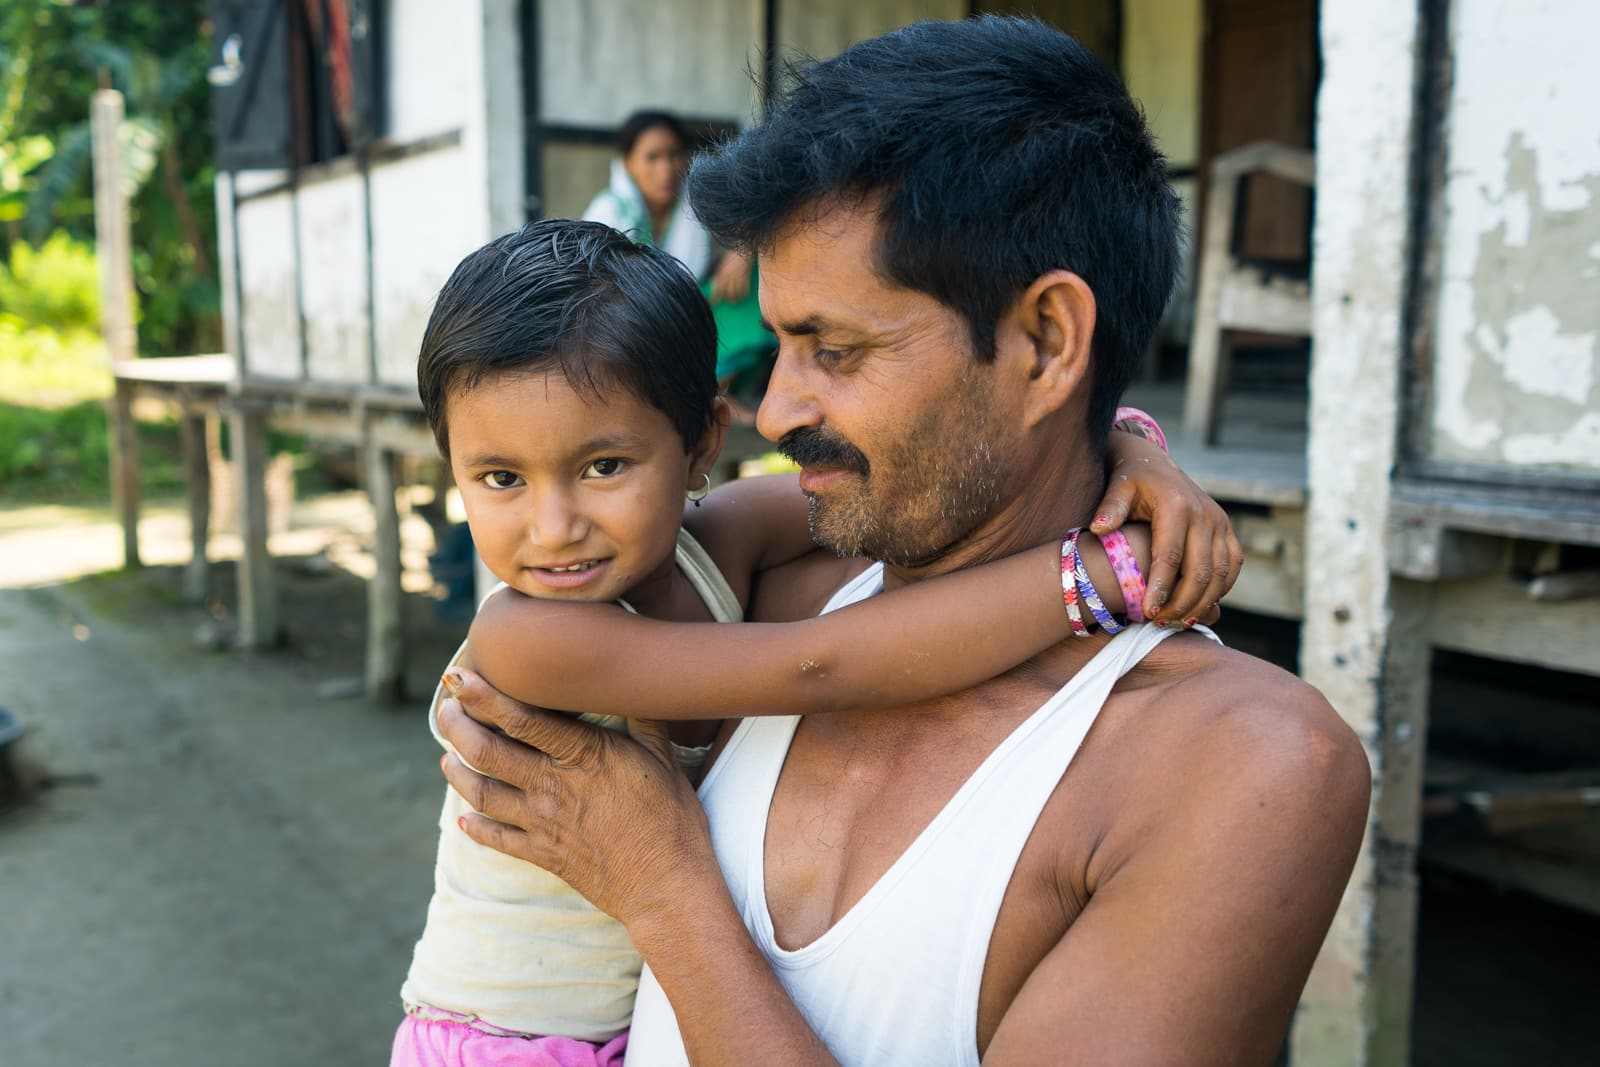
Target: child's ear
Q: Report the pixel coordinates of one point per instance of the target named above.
(703, 456)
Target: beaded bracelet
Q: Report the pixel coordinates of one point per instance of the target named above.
(1069, 587)
(1126, 568)
(1087, 592)
(1138, 422)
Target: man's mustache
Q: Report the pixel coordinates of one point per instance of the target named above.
(811, 447)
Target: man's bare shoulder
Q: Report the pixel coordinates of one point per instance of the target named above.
(1219, 734)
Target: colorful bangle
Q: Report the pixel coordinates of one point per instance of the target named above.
(1087, 593)
(1126, 568)
(1069, 586)
(1134, 421)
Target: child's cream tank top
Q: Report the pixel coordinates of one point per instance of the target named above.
(510, 946)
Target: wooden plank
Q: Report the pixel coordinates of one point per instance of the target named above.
(113, 246)
(385, 666)
(214, 369)
(1358, 642)
(258, 600)
(1470, 615)
(197, 478)
(1203, 392)
(124, 442)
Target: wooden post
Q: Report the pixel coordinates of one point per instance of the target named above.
(1207, 374)
(385, 597)
(258, 600)
(1359, 644)
(113, 252)
(197, 475)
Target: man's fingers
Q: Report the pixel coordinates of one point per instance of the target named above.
(558, 736)
(653, 735)
(495, 835)
(483, 794)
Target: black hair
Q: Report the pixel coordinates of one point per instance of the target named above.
(582, 297)
(634, 126)
(998, 148)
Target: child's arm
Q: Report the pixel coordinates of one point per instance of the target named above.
(931, 638)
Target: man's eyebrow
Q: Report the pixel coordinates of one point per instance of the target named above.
(800, 328)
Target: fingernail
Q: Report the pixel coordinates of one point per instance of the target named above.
(452, 680)
(1102, 520)
(444, 759)
(1189, 622)
(461, 823)
(1161, 623)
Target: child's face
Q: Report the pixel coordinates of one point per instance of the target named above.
(553, 480)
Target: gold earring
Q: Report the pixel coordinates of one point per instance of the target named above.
(697, 495)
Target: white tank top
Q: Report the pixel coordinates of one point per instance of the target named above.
(511, 947)
(895, 980)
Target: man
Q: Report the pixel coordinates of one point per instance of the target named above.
(1123, 851)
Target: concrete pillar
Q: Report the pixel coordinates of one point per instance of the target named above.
(1356, 639)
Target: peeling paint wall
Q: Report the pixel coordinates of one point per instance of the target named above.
(1516, 373)
(427, 211)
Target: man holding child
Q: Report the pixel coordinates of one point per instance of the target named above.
(1127, 849)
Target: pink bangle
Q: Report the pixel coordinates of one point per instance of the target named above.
(1069, 587)
(1126, 568)
(1138, 422)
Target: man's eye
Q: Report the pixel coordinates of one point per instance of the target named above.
(502, 480)
(603, 468)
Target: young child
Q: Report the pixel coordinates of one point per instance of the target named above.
(568, 375)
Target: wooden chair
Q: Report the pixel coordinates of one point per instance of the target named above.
(1234, 295)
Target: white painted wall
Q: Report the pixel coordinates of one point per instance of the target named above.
(602, 59)
(825, 28)
(1517, 363)
(427, 210)
(333, 281)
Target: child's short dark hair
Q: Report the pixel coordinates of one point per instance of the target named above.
(582, 297)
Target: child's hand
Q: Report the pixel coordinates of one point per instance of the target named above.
(1191, 539)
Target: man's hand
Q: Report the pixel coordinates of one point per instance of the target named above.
(611, 815)
(1191, 540)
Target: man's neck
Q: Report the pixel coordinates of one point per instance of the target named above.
(1042, 510)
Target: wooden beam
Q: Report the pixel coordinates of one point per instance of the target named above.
(197, 476)
(385, 668)
(1360, 642)
(124, 442)
(258, 599)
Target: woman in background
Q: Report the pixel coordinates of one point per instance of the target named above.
(644, 200)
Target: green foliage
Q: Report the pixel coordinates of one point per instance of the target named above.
(56, 285)
(42, 367)
(63, 455)
(52, 56)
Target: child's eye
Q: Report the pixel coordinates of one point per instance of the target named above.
(501, 480)
(603, 468)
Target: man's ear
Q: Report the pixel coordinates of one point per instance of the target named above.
(703, 456)
(1048, 332)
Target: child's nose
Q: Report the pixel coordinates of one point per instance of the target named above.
(555, 524)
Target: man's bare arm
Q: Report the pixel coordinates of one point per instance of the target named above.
(1208, 909)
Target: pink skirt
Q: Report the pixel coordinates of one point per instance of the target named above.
(449, 1043)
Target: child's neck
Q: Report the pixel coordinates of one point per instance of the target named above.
(668, 595)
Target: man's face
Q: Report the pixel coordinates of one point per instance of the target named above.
(878, 395)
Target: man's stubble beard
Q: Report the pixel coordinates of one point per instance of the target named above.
(923, 495)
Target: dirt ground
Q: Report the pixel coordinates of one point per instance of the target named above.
(220, 862)
(216, 865)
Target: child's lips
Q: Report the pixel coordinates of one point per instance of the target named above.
(569, 575)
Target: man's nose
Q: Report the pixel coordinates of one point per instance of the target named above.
(790, 403)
